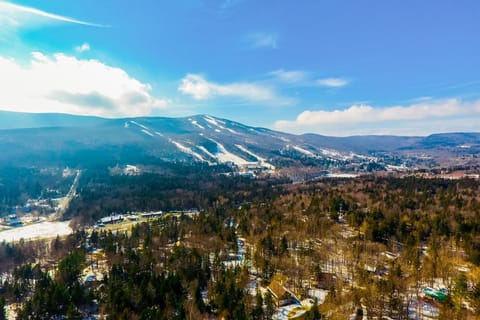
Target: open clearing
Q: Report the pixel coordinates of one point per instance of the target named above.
(40, 230)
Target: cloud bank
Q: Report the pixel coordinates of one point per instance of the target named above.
(362, 119)
(200, 89)
(66, 84)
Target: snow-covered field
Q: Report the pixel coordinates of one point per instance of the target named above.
(36, 231)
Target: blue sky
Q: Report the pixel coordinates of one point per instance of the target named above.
(332, 67)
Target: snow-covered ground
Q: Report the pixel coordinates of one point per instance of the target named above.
(148, 133)
(36, 231)
(215, 122)
(341, 175)
(320, 294)
(260, 159)
(195, 123)
(143, 128)
(225, 156)
(304, 151)
(332, 154)
(188, 150)
(290, 311)
(204, 150)
(239, 146)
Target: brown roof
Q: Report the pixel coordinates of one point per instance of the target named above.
(277, 289)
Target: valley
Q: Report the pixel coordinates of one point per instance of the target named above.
(341, 247)
(232, 222)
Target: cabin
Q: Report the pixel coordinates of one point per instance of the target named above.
(280, 294)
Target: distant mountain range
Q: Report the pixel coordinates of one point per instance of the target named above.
(20, 120)
(30, 139)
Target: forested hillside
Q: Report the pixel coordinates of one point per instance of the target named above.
(379, 242)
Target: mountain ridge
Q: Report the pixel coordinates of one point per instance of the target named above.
(212, 140)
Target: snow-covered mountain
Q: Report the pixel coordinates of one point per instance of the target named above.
(210, 140)
(213, 140)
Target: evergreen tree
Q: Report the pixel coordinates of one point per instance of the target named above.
(72, 313)
(313, 313)
(257, 311)
(3, 315)
(269, 307)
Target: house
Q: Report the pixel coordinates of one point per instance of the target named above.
(438, 295)
(111, 219)
(133, 217)
(151, 214)
(92, 280)
(131, 170)
(280, 294)
(12, 220)
(326, 280)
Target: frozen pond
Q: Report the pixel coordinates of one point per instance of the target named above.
(36, 231)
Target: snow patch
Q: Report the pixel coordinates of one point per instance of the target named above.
(342, 175)
(223, 155)
(249, 152)
(304, 151)
(262, 161)
(148, 133)
(213, 121)
(216, 123)
(37, 231)
(360, 156)
(332, 154)
(145, 129)
(187, 150)
(204, 150)
(231, 130)
(140, 125)
(195, 123)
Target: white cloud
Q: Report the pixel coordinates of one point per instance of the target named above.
(292, 76)
(65, 84)
(263, 40)
(15, 15)
(82, 48)
(306, 79)
(196, 86)
(365, 118)
(228, 4)
(201, 89)
(332, 82)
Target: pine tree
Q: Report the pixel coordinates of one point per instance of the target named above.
(72, 313)
(269, 307)
(3, 315)
(313, 313)
(258, 312)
